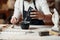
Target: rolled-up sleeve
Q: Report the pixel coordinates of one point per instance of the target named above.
(16, 9)
(44, 7)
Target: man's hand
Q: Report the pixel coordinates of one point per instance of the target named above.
(37, 15)
(14, 20)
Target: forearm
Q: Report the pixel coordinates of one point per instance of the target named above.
(47, 18)
(16, 13)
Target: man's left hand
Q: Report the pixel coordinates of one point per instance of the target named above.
(37, 15)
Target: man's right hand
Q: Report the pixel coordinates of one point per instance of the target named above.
(14, 20)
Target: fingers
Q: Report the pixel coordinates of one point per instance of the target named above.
(14, 20)
(34, 10)
(33, 14)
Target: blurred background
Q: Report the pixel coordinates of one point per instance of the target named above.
(7, 9)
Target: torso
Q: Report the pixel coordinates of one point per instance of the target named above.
(27, 5)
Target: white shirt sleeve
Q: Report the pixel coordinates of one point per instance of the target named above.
(16, 9)
(44, 7)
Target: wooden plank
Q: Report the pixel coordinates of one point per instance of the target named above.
(54, 33)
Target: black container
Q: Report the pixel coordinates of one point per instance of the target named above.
(25, 25)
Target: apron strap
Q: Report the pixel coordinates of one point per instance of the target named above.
(35, 4)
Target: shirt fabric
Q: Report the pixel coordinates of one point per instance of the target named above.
(40, 4)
